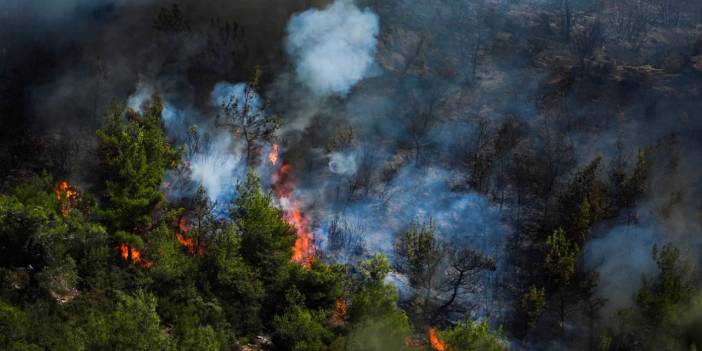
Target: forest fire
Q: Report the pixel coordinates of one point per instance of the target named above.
(303, 250)
(340, 307)
(129, 253)
(189, 243)
(273, 155)
(436, 343)
(339, 317)
(67, 196)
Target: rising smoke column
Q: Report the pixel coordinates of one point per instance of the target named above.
(622, 256)
(216, 161)
(668, 214)
(332, 48)
(220, 164)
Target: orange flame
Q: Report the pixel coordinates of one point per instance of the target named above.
(303, 250)
(273, 155)
(125, 251)
(338, 319)
(436, 343)
(340, 308)
(67, 196)
(189, 243)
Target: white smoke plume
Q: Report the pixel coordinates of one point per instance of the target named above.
(141, 95)
(343, 164)
(217, 168)
(216, 160)
(173, 118)
(220, 164)
(225, 93)
(420, 196)
(333, 48)
(668, 215)
(622, 257)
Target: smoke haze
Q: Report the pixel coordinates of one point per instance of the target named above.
(473, 115)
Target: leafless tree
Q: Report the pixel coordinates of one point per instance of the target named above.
(567, 20)
(464, 267)
(586, 42)
(441, 274)
(245, 116)
(631, 20)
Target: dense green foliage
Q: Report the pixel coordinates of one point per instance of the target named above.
(134, 154)
(471, 335)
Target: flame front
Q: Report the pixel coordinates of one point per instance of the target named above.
(436, 343)
(67, 196)
(303, 250)
(273, 155)
(189, 243)
(340, 308)
(135, 256)
(124, 248)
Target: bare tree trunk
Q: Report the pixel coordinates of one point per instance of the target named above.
(567, 20)
(562, 310)
(476, 52)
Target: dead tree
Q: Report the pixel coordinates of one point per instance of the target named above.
(246, 118)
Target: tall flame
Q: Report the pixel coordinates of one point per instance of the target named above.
(339, 317)
(303, 250)
(273, 155)
(124, 248)
(340, 308)
(67, 196)
(436, 343)
(189, 243)
(125, 251)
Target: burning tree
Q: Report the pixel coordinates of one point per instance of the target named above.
(134, 155)
(303, 250)
(435, 341)
(38, 241)
(67, 196)
(266, 238)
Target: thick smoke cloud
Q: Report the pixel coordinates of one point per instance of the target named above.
(217, 168)
(667, 215)
(343, 163)
(412, 196)
(63, 14)
(235, 94)
(333, 48)
(220, 164)
(622, 257)
(214, 158)
(424, 102)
